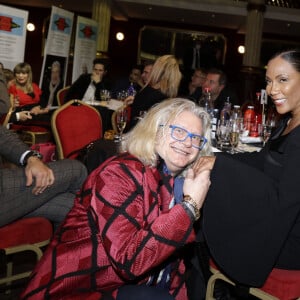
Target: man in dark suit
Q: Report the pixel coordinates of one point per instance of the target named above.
(88, 86)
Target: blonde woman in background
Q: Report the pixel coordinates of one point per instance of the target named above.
(27, 94)
(163, 83)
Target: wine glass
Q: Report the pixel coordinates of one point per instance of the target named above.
(121, 118)
(222, 133)
(266, 132)
(234, 133)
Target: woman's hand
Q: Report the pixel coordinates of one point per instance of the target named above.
(129, 100)
(37, 110)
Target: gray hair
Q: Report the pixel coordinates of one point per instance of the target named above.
(142, 139)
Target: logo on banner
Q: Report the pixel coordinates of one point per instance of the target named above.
(10, 25)
(61, 24)
(87, 31)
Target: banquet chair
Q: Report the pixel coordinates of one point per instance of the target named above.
(29, 133)
(280, 284)
(74, 125)
(60, 96)
(24, 235)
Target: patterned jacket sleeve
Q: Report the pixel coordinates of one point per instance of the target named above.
(11, 147)
(135, 233)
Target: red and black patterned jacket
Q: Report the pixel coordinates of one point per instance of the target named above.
(119, 231)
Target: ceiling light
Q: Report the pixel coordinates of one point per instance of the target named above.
(120, 36)
(30, 27)
(241, 49)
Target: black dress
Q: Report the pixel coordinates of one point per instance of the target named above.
(143, 101)
(251, 217)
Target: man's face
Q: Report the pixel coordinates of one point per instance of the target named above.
(135, 75)
(99, 70)
(146, 73)
(198, 79)
(212, 82)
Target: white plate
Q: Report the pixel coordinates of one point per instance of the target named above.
(250, 139)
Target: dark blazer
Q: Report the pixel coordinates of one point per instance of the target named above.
(4, 97)
(252, 212)
(79, 87)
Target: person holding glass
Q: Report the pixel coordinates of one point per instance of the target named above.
(252, 210)
(130, 226)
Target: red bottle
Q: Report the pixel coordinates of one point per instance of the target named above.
(249, 117)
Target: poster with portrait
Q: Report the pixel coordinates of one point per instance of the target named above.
(12, 35)
(85, 46)
(56, 52)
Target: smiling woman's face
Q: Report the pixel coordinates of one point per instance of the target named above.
(283, 86)
(177, 155)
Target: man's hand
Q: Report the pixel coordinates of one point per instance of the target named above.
(36, 169)
(96, 77)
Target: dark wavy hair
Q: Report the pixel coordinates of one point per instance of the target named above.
(292, 56)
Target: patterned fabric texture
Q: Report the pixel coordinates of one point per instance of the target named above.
(120, 231)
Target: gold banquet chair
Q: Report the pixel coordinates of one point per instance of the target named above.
(24, 235)
(280, 284)
(60, 96)
(74, 125)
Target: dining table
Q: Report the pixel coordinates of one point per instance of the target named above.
(106, 109)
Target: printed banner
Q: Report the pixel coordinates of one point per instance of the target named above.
(56, 52)
(85, 46)
(12, 35)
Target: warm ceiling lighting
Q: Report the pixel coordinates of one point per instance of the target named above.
(241, 49)
(30, 27)
(120, 36)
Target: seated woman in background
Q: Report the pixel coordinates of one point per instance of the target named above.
(163, 83)
(129, 229)
(27, 95)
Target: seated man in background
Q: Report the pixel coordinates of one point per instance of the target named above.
(88, 86)
(148, 65)
(195, 85)
(134, 80)
(216, 81)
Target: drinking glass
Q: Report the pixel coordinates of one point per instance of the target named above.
(222, 133)
(234, 133)
(266, 132)
(121, 121)
(105, 95)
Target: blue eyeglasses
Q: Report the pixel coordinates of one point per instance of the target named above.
(180, 134)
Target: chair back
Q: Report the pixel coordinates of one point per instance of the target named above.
(61, 95)
(74, 125)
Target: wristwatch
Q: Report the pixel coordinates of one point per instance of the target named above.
(30, 154)
(188, 199)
